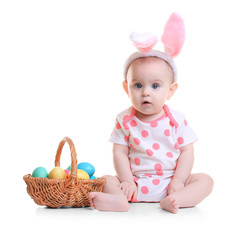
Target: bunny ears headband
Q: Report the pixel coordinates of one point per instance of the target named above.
(172, 38)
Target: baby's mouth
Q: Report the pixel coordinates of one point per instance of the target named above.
(146, 103)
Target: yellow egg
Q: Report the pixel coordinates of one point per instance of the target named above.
(57, 173)
(81, 174)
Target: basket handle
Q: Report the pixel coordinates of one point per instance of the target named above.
(73, 173)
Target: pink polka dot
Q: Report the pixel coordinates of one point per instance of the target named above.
(149, 152)
(155, 181)
(155, 146)
(133, 123)
(118, 126)
(180, 140)
(126, 138)
(144, 190)
(125, 125)
(154, 124)
(169, 154)
(158, 166)
(144, 133)
(176, 146)
(159, 173)
(185, 123)
(167, 132)
(148, 174)
(171, 124)
(137, 161)
(137, 141)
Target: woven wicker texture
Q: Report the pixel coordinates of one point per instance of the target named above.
(66, 192)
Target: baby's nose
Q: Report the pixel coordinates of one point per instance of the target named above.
(145, 91)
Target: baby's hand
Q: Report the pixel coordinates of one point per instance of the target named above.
(129, 189)
(175, 185)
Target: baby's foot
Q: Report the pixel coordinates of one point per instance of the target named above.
(170, 204)
(92, 195)
(108, 202)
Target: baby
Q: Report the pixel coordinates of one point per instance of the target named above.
(153, 150)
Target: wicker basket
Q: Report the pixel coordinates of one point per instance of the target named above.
(66, 192)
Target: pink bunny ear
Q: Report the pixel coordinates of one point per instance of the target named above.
(144, 42)
(174, 34)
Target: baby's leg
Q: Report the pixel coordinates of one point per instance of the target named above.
(197, 187)
(111, 199)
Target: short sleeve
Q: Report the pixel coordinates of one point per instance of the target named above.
(119, 134)
(185, 134)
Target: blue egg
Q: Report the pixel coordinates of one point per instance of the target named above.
(87, 167)
(93, 177)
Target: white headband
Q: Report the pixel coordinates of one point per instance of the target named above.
(172, 38)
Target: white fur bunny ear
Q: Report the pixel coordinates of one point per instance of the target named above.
(174, 35)
(144, 42)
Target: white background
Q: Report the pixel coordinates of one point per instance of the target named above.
(60, 75)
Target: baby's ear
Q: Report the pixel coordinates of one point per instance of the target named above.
(125, 86)
(172, 90)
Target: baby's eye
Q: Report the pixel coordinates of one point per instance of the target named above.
(155, 85)
(138, 85)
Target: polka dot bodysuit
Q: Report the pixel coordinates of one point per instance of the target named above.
(153, 149)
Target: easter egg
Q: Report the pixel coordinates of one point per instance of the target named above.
(67, 172)
(81, 174)
(69, 168)
(87, 167)
(57, 173)
(93, 177)
(40, 172)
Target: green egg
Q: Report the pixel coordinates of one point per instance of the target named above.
(40, 172)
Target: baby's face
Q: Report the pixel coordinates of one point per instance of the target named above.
(149, 84)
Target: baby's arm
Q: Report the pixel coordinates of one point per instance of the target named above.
(122, 167)
(183, 169)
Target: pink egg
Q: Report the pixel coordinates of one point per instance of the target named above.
(67, 172)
